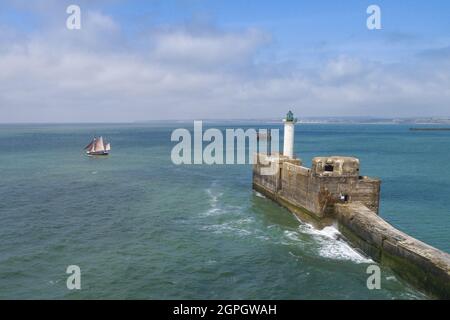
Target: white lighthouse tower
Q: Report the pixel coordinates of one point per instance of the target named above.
(289, 130)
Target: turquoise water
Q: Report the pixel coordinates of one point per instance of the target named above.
(140, 227)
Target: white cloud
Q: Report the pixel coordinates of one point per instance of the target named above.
(100, 22)
(207, 48)
(342, 68)
(98, 75)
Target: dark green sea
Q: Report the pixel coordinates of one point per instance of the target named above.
(141, 227)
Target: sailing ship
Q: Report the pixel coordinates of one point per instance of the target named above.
(98, 147)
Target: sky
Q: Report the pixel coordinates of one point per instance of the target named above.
(222, 59)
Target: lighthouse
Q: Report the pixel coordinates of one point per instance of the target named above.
(289, 124)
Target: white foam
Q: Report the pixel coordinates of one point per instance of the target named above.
(216, 208)
(260, 195)
(213, 196)
(391, 278)
(329, 240)
(228, 228)
(213, 202)
(331, 244)
(292, 235)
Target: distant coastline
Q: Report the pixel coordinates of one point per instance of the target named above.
(429, 129)
(326, 120)
(432, 122)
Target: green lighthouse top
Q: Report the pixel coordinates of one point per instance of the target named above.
(290, 117)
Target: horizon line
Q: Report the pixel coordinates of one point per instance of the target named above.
(329, 118)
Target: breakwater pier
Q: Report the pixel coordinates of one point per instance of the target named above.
(333, 191)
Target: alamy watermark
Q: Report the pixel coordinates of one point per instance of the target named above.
(374, 280)
(238, 146)
(374, 20)
(73, 22)
(74, 280)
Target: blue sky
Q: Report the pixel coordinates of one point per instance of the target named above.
(137, 60)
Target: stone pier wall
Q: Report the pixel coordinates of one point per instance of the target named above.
(422, 265)
(316, 197)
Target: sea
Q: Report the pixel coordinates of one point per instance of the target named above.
(140, 227)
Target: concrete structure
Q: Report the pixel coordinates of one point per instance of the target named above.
(289, 132)
(331, 181)
(334, 192)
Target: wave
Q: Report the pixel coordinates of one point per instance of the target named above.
(237, 227)
(260, 195)
(331, 244)
(213, 202)
(328, 241)
(236, 223)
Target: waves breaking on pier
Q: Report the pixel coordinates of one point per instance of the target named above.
(240, 222)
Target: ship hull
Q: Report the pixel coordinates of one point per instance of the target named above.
(98, 153)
